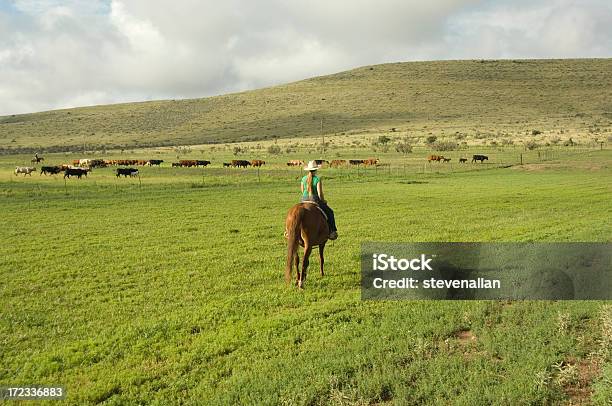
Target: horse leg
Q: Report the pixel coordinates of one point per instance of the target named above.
(321, 260)
(305, 262)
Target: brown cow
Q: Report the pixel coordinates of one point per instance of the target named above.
(337, 163)
(188, 163)
(257, 162)
(371, 161)
(436, 158)
(295, 162)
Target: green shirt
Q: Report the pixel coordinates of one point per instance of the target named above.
(315, 182)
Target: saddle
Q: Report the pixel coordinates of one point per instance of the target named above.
(320, 209)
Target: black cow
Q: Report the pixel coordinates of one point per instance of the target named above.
(155, 161)
(202, 163)
(240, 163)
(462, 160)
(226, 164)
(50, 170)
(78, 172)
(127, 172)
(480, 158)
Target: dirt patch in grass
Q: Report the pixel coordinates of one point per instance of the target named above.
(588, 166)
(579, 389)
(465, 336)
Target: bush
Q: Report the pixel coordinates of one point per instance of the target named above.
(431, 139)
(182, 150)
(274, 149)
(536, 132)
(531, 145)
(382, 140)
(445, 146)
(403, 147)
(239, 150)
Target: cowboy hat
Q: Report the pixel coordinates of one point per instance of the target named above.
(312, 166)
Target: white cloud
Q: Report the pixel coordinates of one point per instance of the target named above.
(67, 53)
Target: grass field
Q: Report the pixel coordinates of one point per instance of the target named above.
(169, 288)
(481, 99)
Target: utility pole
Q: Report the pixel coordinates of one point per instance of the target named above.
(322, 137)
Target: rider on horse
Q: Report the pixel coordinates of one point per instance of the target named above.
(312, 191)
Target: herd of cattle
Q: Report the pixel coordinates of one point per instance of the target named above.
(441, 158)
(81, 167)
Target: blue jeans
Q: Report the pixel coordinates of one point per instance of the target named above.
(331, 221)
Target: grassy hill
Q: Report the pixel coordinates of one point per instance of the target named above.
(470, 96)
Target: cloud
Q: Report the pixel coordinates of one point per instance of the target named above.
(68, 53)
(533, 29)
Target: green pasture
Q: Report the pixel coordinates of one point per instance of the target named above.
(168, 288)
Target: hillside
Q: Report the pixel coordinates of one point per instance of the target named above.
(511, 96)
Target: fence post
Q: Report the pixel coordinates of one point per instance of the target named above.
(521, 158)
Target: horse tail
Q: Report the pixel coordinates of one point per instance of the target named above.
(294, 222)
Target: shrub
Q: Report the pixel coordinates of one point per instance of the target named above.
(431, 139)
(382, 140)
(239, 150)
(403, 147)
(536, 132)
(445, 146)
(531, 145)
(274, 149)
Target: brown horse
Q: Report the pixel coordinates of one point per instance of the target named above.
(306, 226)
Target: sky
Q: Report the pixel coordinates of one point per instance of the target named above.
(58, 54)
